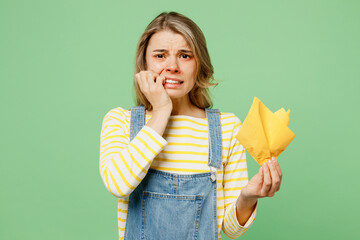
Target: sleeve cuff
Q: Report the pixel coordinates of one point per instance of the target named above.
(249, 221)
(159, 141)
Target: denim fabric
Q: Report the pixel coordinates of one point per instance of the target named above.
(168, 206)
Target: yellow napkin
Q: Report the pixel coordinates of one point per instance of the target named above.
(265, 134)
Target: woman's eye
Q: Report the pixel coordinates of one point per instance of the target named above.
(185, 56)
(159, 56)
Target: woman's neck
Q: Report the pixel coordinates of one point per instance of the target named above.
(193, 112)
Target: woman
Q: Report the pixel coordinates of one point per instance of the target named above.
(177, 169)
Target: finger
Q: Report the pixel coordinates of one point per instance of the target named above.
(261, 174)
(277, 166)
(162, 79)
(150, 78)
(136, 77)
(138, 80)
(159, 74)
(159, 81)
(144, 83)
(267, 181)
(155, 76)
(275, 179)
(259, 177)
(161, 71)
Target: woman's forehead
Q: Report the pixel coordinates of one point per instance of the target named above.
(168, 40)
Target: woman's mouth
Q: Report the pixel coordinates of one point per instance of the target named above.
(172, 83)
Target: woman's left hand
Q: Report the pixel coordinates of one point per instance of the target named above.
(265, 183)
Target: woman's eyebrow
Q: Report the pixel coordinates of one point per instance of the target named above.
(181, 50)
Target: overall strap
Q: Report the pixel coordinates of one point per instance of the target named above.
(215, 142)
(137, 120)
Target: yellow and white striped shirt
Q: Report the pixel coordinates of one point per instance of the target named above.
(183, 149)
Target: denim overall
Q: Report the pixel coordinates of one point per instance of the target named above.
(167, 206)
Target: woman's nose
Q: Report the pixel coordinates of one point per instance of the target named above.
(172, 66)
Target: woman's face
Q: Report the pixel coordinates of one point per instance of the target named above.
(169, 55)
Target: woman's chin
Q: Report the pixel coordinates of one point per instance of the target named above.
(175, 96)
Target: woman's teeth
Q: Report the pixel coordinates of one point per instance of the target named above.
(172, 81)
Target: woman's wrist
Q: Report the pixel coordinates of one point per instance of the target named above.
(244, 208)
(245, 202)
(164, 109)
(159, 120)
(162, 112)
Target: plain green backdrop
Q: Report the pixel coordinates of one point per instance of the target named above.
(64, 64)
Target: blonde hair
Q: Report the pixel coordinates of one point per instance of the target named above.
(178, 23)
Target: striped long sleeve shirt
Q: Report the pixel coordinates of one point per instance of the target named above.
(183, 149)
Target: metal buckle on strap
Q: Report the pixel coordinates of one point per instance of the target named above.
(213, 176)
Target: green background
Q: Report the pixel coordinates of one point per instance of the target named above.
(64, 64)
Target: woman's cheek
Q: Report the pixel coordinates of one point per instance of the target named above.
(156, 67)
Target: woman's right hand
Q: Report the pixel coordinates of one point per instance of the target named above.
(151, 85)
